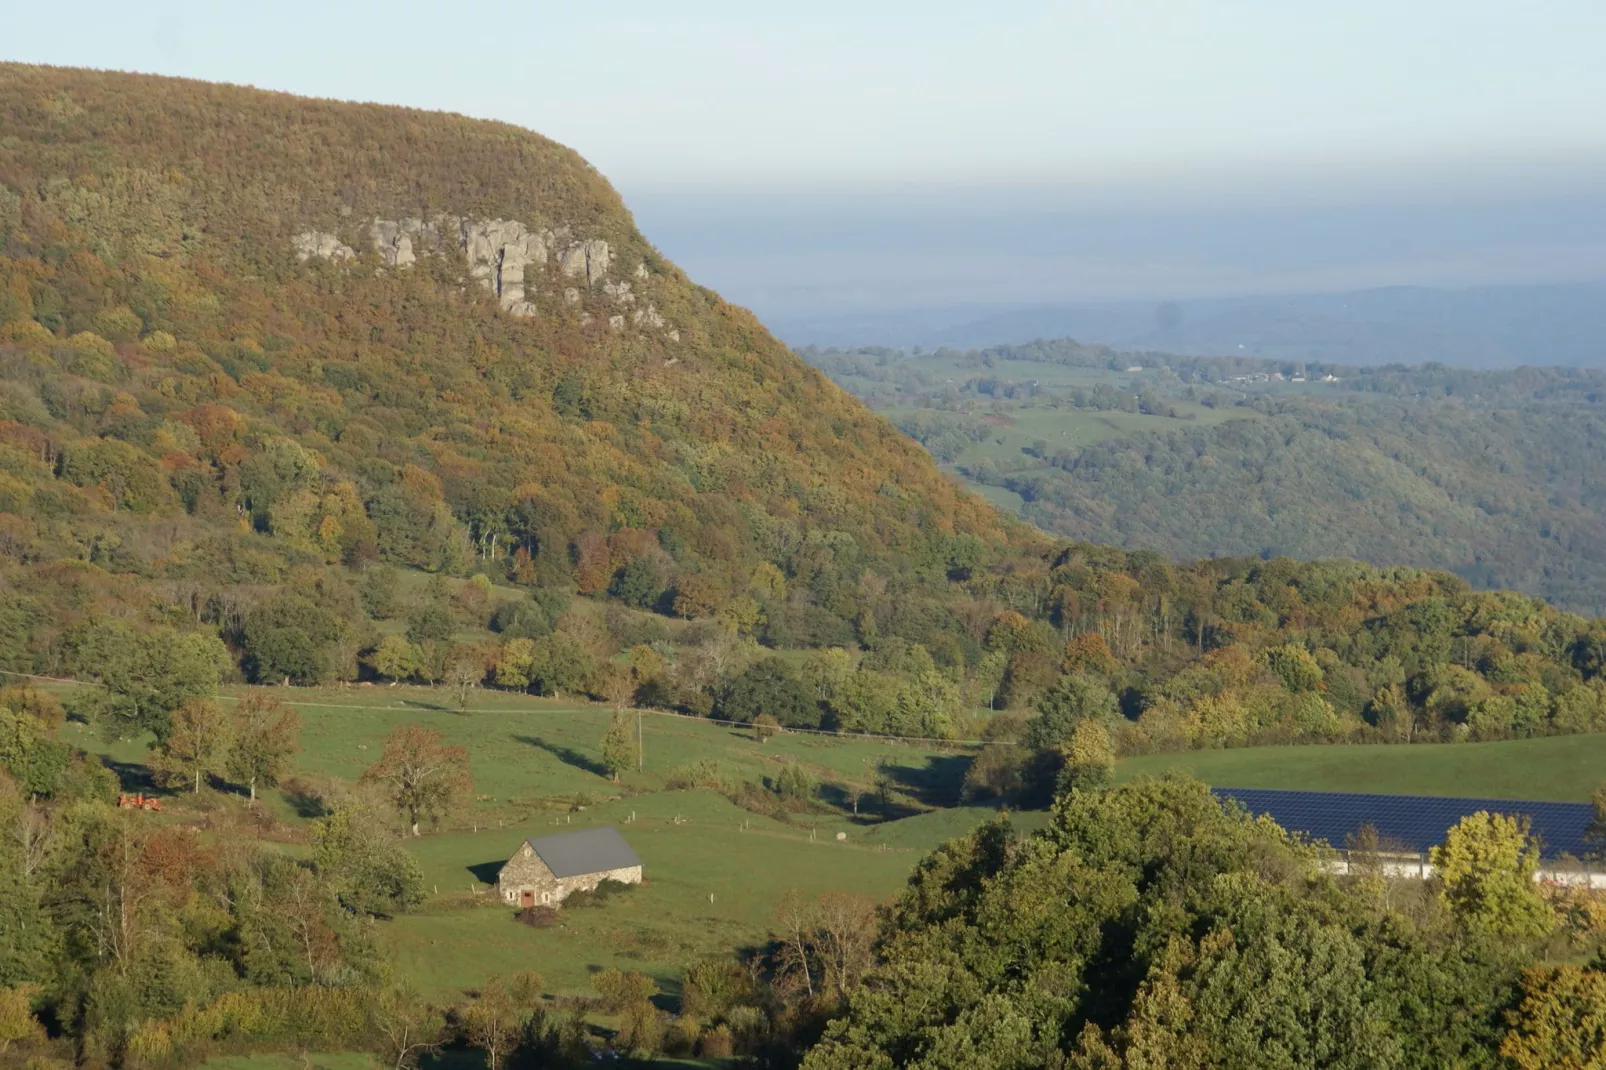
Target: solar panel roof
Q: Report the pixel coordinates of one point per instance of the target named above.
(1410, 822)
(570, 854)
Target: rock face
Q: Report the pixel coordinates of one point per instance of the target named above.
(503, 255)
(498, 251)
(321, 244)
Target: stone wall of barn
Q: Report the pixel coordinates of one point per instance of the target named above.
(525, 872)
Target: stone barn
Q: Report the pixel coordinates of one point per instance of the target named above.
(546, 869)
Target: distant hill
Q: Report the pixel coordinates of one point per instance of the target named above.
(244, 331)
(1488, 327)
(1496, 475)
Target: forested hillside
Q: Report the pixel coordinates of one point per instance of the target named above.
(244, 332)
(1494, 475)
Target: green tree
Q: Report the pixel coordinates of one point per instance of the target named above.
(1295, 666)
(515, 664)
(147, 673)
(421, 775)
(769, 686)
(366, 868)
(395, 657)
(619, 744)
(288, 638)
(265, 736)
(558, 663)
(1485, 868)
(1074, 698)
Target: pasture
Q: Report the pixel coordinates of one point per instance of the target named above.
(1555, 768)
(714, 871)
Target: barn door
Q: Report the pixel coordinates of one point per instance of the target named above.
(526, 898)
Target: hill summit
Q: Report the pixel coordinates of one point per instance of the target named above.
(243, 330)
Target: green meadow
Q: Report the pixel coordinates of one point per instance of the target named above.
(714, 871)
(1557, 768)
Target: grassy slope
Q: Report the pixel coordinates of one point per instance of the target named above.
(531, 757)
(1561, 768)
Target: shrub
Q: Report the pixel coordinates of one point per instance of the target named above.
(538, 917)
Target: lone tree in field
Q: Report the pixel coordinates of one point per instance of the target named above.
(463, 675)
(420, 774)
(619, 744)
(266, 735)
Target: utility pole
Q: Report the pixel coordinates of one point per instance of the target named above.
(641, 744)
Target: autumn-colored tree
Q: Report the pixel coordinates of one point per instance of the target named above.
(1485, 869)
(515, 663)
(197, 743)
(407, 1029)
(1088, 653)
(1561, 1021)
(265, 736)
(699, 595)
(1089, 757)
(17, 1022)
(421, 775)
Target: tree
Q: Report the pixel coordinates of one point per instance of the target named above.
(147, 673)
(619, 744)
(495, 1020)
(395, 657)
(770, 686)
(197, 743)
(422, 777)
(288, 638)
(17, 1022)
(366, 868)
(1485, 869)
(463, 674)
(1561, 1022)
(1089, 757)
(431, 621)
(558, 663)
(699, 595)
(989, 675)
(515, 663)
(266, 734)
(407, 1029)
(1295, 666)
(1059, 709)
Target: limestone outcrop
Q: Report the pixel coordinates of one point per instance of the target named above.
(321, 244)
(503, 255)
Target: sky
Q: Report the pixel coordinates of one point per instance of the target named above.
(887, 152)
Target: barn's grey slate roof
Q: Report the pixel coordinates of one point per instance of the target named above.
(570, 854)
(1412, 822)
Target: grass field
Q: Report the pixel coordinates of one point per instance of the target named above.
(1558, 768)
(714, 872)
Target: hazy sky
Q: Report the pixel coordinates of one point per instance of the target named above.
(731, 126)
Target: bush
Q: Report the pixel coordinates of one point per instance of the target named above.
(538, 917)
(716, 1043)
(596, 897)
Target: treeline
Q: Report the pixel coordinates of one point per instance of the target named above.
(1150, 926)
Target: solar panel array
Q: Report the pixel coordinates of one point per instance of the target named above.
(1410, 822)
